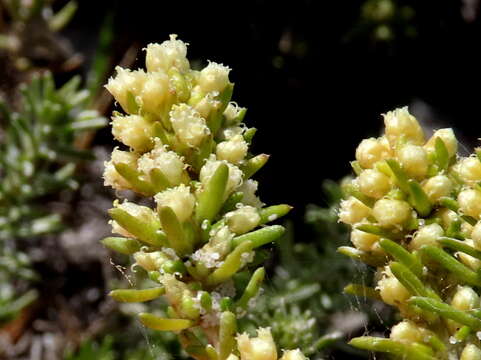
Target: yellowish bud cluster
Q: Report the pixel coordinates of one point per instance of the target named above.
(262, 347)
(415, 209)
(187, 151)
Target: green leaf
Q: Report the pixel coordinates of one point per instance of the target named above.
(410, 281)
(159, 180)
(63, 16)
(147, 232)
(273, 213)
(227, 332)
(175, 233)
(133, 295)
(253, 165)
(460, 246)
(134, 178)
(122, 245)
(249, 133)
(400, 176)
(451, 264)
(252, 288)
(442, 154)
(210, 200)
(157, 323)
(363, 256)
(402, 255)
(260, 237)
(403, 351)
(419, 199)
(446, 311)
(231, 264)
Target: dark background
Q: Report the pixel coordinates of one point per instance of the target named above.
(312, 74)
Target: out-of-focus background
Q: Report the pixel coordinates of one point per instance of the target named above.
(315, 77)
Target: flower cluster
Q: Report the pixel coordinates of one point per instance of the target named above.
(415, 210)
(188, 150)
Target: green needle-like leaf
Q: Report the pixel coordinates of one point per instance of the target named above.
(227, 331)
(410, 281)
(450, 263)
(460, 246)
(442, 154)
(260, 237)
(146, 232)
(211, 198)
(401, 177)
(402, 351)
(419, 199)
(252, 288)
(231, 265)
(365, 257)
(122, 245)
(253, 165)
(274, 212)
(133, 295)
(402, 255)
(134, 178)
(157, 323)
(175, 233)
(446, 311)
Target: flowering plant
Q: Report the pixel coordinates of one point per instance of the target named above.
(414, 208)
(188, 151)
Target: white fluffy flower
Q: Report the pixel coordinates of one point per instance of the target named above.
(179, 199)
(210, 167)
(111, 176)
(233, 150)
(171, 53)
(190, 128)
(214, 77)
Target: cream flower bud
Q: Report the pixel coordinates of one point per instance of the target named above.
(214, 77)
(469, 170)
(391, 290)
(471, 352)
(427, 235)
(142, 213)
(190, 128)
(124, 82)
(372, 150)
(406, 332)
(469, 260)
(243, 219)
(293, 355)
(233, 150)
(400, 124)
(470, 202)
(363, 240)
(171, 53)
(150, 261)
(374, 183)
(391, 212)
(134, 131)
(231, 113)
(209, 168)
(353, 211)
(111, 176)
(179, 199)
(437, 187)
(249, 189)
(232, 357)
(447, 135)
(414, 160)
(261, 347)
(155, 94)
(447, 217)
(465, 299)
(169, 162)
(476, 235)
(206, 105)
(230, 132)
